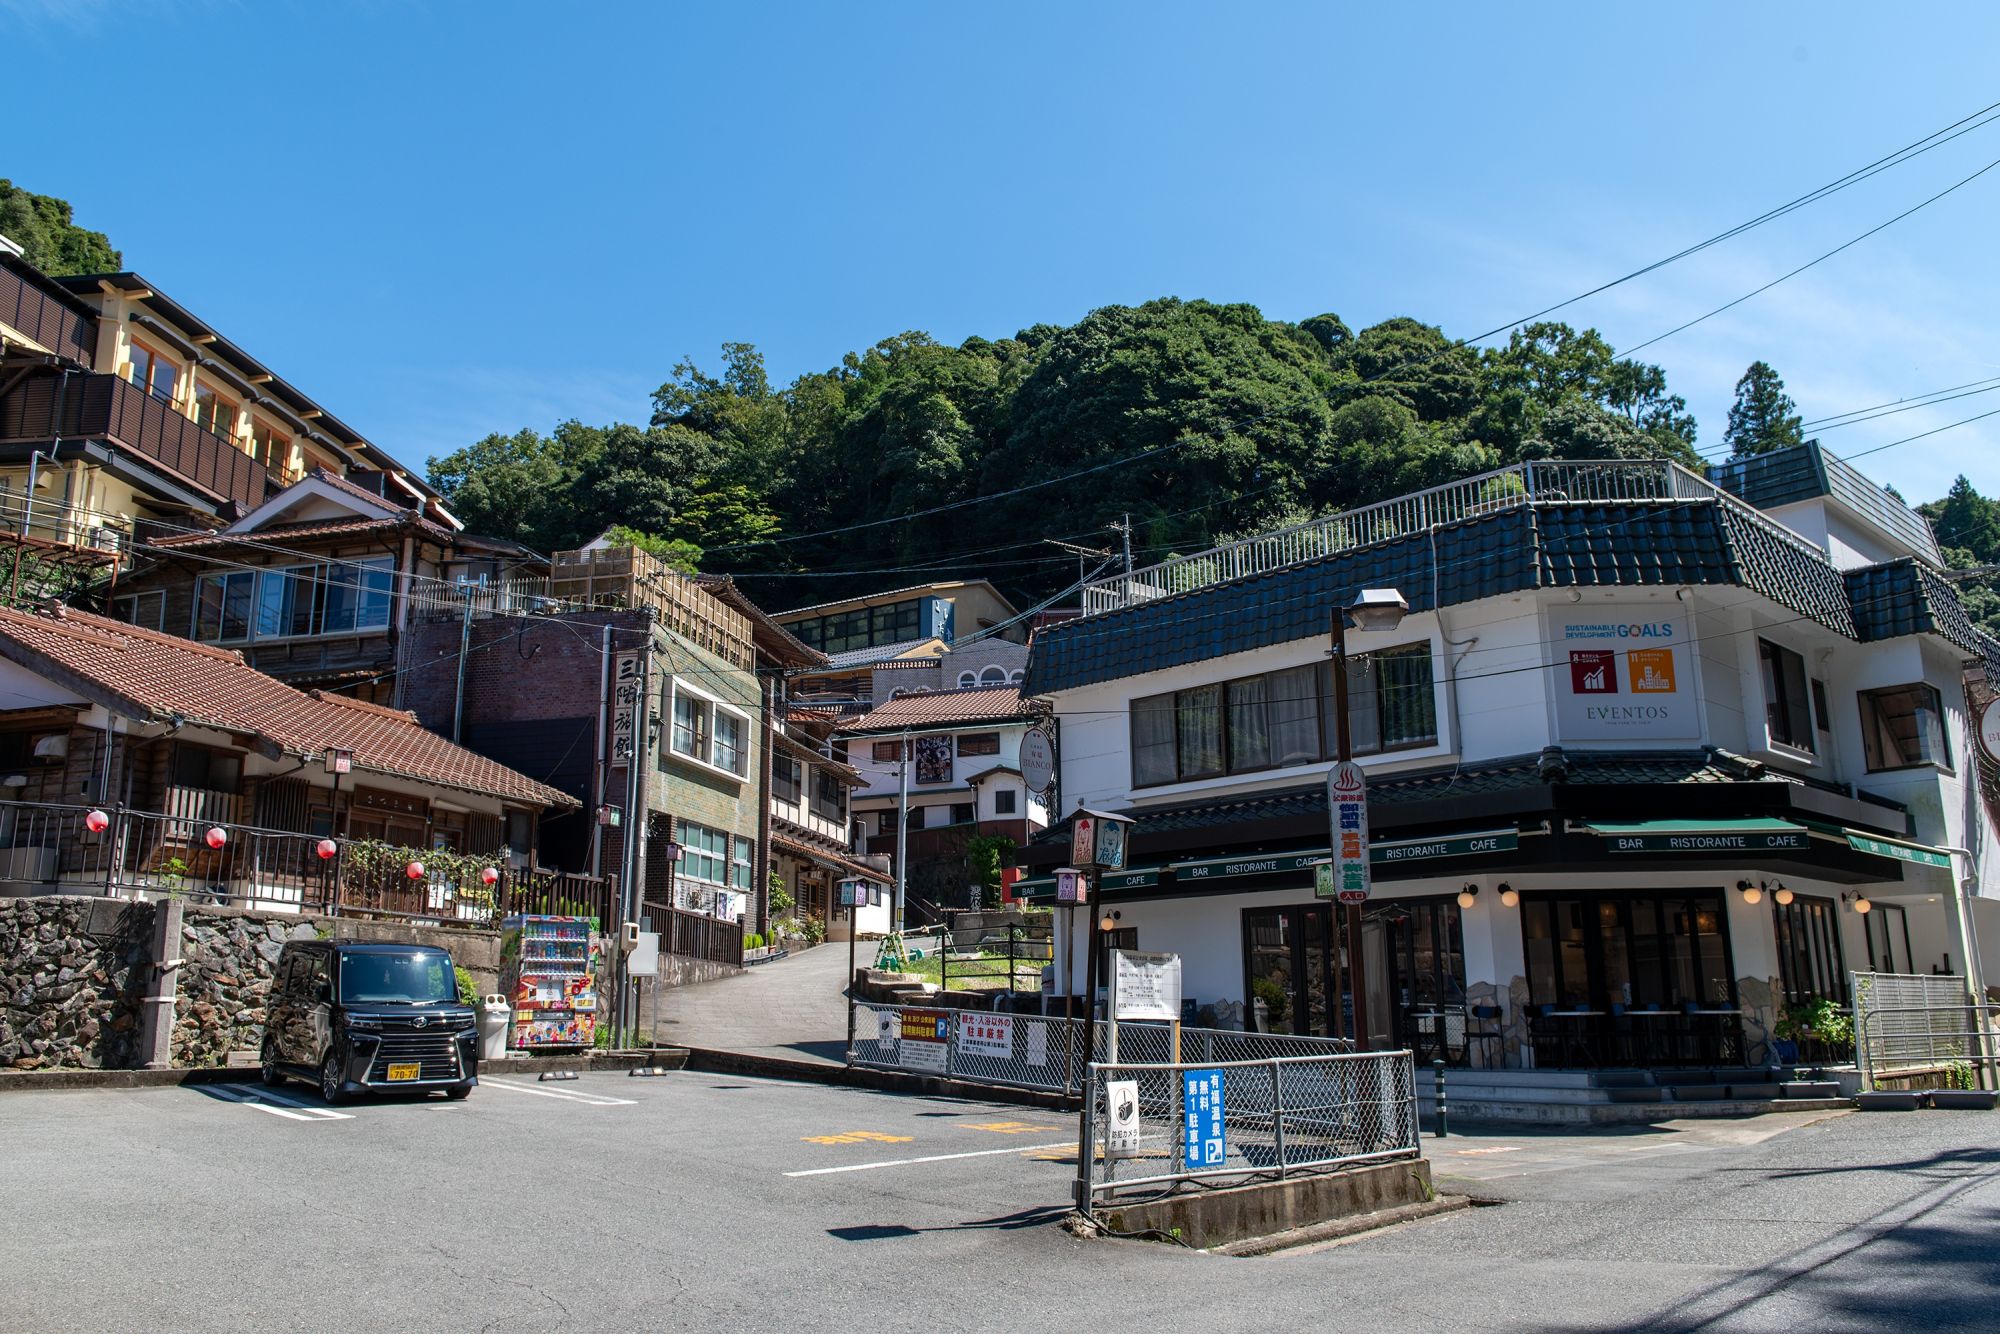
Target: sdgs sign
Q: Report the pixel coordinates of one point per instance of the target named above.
(1622, 674)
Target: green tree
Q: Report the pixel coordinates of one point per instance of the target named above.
(1762, 418)
(45, 229)
(680, 554)
(1967, 520)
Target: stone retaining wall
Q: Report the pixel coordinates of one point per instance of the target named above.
(73, 974)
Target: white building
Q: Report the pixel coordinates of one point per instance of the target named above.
(1690, 750)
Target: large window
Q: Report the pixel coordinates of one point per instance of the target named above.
(785, 776)
(155, 374)
(704, 854)
(213, 412)
(829, 796)
(708, 731)
(1787, 713)
(1888, 932)
(270, 447)
(1661, 949)
(1284, 718)
(295, 600)
(863, 627)
(1903, 727)
(1810, 961)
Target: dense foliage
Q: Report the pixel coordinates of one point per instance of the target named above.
(48, 236)
(1198, 420)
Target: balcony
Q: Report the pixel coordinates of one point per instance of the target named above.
(49, 320)
(105, 407)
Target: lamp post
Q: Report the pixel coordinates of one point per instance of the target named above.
(1372, 609)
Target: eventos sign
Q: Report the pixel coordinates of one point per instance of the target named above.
(1622, 674)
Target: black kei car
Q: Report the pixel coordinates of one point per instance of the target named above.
(368, 1018)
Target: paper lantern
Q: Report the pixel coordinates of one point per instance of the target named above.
(217, 836)
(97, 822)
(326, 849)
(490, 876)
(415, 870)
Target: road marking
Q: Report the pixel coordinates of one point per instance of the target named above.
(1007, 1127)
(566, 1095)
(263, 1100)
(934, 1158)
(1474, 1153)
(856, 1137)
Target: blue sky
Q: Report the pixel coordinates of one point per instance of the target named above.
(499, 215)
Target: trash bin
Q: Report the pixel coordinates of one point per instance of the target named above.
(494, 1012)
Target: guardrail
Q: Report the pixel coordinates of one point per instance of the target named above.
(1154, 1126)
(1904, 1041)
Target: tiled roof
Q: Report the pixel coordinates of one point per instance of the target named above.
(1785, 572)
(771, 639)
(883, 653)
(802, 845)
(1510, 775)
(285, 532)
(1906, 597)
(945, 708)
(149, 675)
(1787, 476)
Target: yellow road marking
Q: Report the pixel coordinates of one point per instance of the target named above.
(857, 1137)
(1008, 1127)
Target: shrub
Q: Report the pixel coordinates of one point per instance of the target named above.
(468, 990)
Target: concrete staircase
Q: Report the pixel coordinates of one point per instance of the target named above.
(1612, 1097)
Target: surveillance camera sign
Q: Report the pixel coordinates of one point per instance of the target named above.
(1622, 673)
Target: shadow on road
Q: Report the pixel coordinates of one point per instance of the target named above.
(1026, 1218)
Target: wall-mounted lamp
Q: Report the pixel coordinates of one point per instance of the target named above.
(1509, 896)
(1858, 901)
(1109, 921)
(1468, 896)
(1781, 894)
(1751, 893)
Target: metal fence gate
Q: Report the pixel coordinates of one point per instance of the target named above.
(1912, 1024)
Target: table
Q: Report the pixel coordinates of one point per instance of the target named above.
(1712, 1043)
(1657, 1045)
(1574, 1040)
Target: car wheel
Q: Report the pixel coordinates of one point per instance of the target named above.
(268, 1065)
(458, 1092)
(329, 1078)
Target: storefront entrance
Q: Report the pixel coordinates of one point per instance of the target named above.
(1289, 969)
(1295, 965)
(1640, 978)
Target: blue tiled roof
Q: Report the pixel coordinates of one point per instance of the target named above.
(1906, 597)
(1786, 573)
(1802, 472)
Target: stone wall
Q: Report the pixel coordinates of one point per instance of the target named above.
(73, 974)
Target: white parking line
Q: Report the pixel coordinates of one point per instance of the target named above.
(567, 1095)
(934, 1158)
(264, 1100)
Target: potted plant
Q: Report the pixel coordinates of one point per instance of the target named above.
(1961, 1091)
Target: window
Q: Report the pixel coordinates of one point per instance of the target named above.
(967, 680)
(213, 412)
(888, 752)
(741, 862)
(356, 597)
(211, 770)
(993, 676)
(143, 609)
(1822, 716)
(1284, 718)
(1903, 727)
(222, 606)
(863, 627)
(829, 795)
(271, 448)
(1810, 960)
(708, 731)
(1786, 712)
(962, 813)
(785, 778)
(154, 373)
(885, 822)
(979, 743)
(1014, 677)
(704, 854)
(1003, 801)
(916, 820)
(1888, 932)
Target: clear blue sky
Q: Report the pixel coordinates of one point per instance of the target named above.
(453, 219)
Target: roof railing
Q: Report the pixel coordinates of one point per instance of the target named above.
(1542, 482)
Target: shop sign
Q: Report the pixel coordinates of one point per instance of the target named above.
(1793, 841)
(986, 1035)
(1347, 805)
(624, 706)
(1145, 986)
(1900, 852)
(1038, 760)
(1453, 845)
(1202, 1122)
(925, 1025)
(1622, 674)
(1989, 729)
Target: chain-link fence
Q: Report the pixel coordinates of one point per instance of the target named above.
(1045, 1052)
(1150, 1128)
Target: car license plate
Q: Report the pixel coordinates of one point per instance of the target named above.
(409, 1070)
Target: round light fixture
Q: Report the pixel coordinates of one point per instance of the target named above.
(1752, 894)
(1783, 896)
(1468, 896)
(1509, 897)
(1862, 905)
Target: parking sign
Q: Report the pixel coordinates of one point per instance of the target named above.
(1202, 1124)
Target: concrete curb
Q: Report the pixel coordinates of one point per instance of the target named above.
(42, 1081)
(707, 1060)
(1340, 1228)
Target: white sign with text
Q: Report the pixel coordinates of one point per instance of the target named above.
(1622, 673)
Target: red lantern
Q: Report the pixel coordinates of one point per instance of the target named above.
(97, 822)
(217, 836)
(415, 870)
(326, 849)
(490, 876)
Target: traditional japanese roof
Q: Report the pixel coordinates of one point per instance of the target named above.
(948, 708)
(772, 640)
(153, 677)
(290, 532)
(1808, 471)
(801, 845)
(883, 654)
(1907, 597)
(811, 755)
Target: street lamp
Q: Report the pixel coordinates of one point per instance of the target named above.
(1374, 610)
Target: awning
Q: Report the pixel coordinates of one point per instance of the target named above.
(1919, 853)
(1393, 852)
(1703, 835)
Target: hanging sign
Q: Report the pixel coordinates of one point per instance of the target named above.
(1038, 760)
(1347, 805)
(1989, 730)
(624, 706)
(1145, 986)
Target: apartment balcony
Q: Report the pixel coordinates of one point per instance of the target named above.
(58, 325)
(104, 407)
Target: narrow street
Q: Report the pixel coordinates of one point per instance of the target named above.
(795, 1008)
(706, 1202)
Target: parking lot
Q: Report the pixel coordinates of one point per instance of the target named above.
(708, 1202)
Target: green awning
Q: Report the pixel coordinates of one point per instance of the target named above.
(1702, 835)
(1919, 853)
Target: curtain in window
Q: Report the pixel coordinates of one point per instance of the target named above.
(1153, 740)
(1198, 724)
(1293, 710)
(1249, 729)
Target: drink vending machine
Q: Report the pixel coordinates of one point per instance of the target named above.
(552, 981)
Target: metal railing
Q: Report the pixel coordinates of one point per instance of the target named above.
(164, 855)
(693, 935)
(1153, 1127)
(1548, 482)
(1957, 1044)
(1044, 1052)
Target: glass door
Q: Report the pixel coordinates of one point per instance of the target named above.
(1288, 970)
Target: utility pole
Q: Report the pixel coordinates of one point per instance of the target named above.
(464, 652)
(1124, 530)
(902, 829)
(1081, 552)
(1357, 973)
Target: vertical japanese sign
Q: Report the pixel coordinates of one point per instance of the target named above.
(624, 706)
(1121, 1118)
(1347, 805)
(1202, 1134)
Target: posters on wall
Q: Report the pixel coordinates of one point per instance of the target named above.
(1622, 673)
(933, 759)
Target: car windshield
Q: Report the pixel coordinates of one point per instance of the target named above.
(397, 979)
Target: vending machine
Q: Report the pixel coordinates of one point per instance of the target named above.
(553, 982)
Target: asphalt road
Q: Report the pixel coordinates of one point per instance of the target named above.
(705, 1202)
